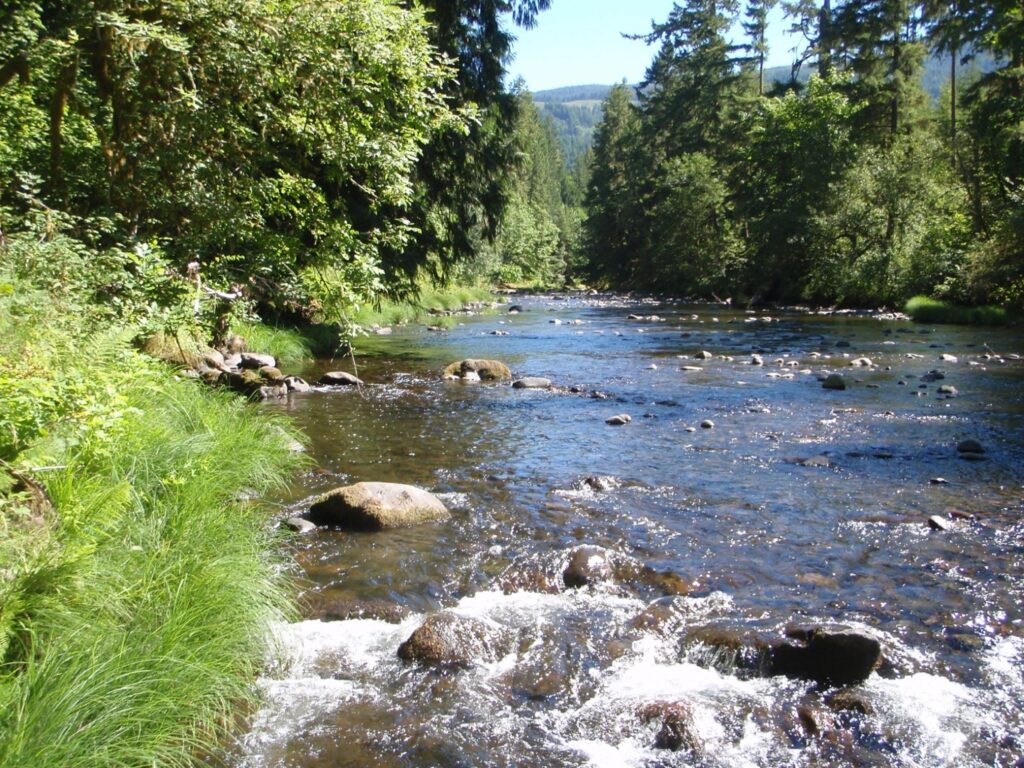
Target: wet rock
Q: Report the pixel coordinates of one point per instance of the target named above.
(328, 607)
(939, 481)
(703, 355)
(970, 447)
(847, 700)
(828, 658)
(816, 461)
(485, 370)
(861, 362)
(299, 525)
(933, 375)
(948, 389)
(271, 392)
(243, 382)
(296, 384)
(376, 506)
(448, 639)
(340, 379)
(255, 361)
(843, 344)
(756, 360)
(730, 650)
(947, 358)
(939, 523)
(587, 565)
(678, 731)
(619, 419)
(532, 382)
(602, 482)
(834, 381)
(707, 424)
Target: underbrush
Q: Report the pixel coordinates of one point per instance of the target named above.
(136, 583)
(927, 310)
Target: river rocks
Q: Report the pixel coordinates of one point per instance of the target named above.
(602, 482)
(933, 375)
(485, 370)
(271, 374)
(947, 358)
(296, 384)
(703, 355)
(948, 390)
(299, 525)
(828, 658)
(619, 419)
(939, 523)
(587, 565)
(255, 360)
(756, 360)
(340, 379)
(707, 424)
(861, 362)
(678, 731)
(332, 607)
(376, 506)
(970, 449)
(449, 639)
(532, 382)
(834, 381)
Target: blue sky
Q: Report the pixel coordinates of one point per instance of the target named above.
(578, 42)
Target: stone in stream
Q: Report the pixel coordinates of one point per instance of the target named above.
(299, 525)
(678, 731)
(707, 424)
(485, 370)
(255, 361)
(602, 482)
(619, 419)
(449, 639)
(376, 506)
(756, 360)
(271, 392)
(834, 381)
(340, 379)
(587, 565)
(703, 355)
(947, 358)
(296, 384)
(272, 374)
(323, 606)
(939, 523)
(532, 382)
(933, 375)
(948, 389)
(827, 658)
(846, 700)
(862, 362)
(970, 449)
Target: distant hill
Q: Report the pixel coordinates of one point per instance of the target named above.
(575, 110)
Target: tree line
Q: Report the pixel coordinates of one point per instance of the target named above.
(854, 188)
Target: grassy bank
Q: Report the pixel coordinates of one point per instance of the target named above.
(429, 302)
(136, 586)
(927, 310)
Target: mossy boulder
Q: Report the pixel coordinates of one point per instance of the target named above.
(486, 370)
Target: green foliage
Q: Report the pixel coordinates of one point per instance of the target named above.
(288, 345)
(135, 601)
(924, 309)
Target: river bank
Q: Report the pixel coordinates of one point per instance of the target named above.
(799, 505)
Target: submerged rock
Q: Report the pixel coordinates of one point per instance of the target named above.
(587, 565)
(299, 525)
(678, 731)
(602, 482)
(328, 607)
(834, 381)
(485, 370)
(970, 447)
(532, 382)
(376, 506)
(828, 658)
(448, 639)
(340, 379)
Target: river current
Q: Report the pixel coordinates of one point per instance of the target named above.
(797, 506)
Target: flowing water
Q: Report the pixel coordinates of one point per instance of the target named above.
(724, 532)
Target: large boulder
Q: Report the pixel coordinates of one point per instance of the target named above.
(376, 506)
(486, 370)
(828, 658)
(255, 360)
(448, 639)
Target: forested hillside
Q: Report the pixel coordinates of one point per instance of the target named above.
(856, 188)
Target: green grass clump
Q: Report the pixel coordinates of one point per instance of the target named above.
(429, 301)
(927, 310)
(136, 588)
(288, 346)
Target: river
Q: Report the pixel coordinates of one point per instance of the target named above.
(799, 506)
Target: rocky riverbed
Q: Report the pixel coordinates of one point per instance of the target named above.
(693, 536)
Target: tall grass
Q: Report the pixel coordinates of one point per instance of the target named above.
(288, 346)
(927, 310)
(429, 301)
(134, 615)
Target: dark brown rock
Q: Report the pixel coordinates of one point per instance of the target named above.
(677, 732)
(448, 639)
(486, 370)
(587, 565)
(828, 658)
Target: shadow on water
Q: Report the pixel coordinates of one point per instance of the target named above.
(799, 505)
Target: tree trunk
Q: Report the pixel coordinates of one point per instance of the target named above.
(825, 39)
(58, 105)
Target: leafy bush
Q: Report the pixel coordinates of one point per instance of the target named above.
(927, 310)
